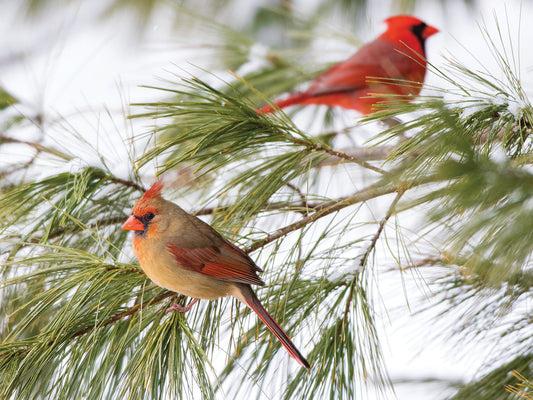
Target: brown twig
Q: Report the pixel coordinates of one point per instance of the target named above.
(268, 207)
(118, 316)
(377, 153)
(111, 320)
(428, 261)
(370, 192)
(37, 146)
(127, 183)
(364, 259)
(21, 167)
(382, 223)
(304, 204)
(338, 154)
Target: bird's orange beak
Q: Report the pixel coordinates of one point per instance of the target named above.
(133, 224)
(429, 31)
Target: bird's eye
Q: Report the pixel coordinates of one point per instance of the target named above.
(149, 216)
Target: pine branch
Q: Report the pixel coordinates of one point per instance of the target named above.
(375, 153)
(339, 154)
(428, 261)
(522, 389)
(130, 311)
(372, 191)
(381, 226)
(70, 304)
(495, 384)
(37, 146)
(128, 183)
(334, 206)
(111, 320)
(364, 258)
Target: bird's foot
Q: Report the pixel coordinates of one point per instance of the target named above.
(180, 308)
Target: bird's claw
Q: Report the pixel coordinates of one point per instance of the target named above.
(180, 308)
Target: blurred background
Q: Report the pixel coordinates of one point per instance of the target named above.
(75, 67)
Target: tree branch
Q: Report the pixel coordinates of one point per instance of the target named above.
(302, 196)
(377, 153)
(111, 320)
(37, 146)
(268, 207)
(382, 223)
(428, 261)
(364, 259)
(338, 154)
(127, 183)
(130, 311)
(372, 191)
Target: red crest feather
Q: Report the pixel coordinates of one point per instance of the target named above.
(402, 20)
(154, 191)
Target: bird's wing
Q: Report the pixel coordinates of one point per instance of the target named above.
(378, 59)
(226, 262)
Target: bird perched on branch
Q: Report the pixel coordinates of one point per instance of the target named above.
(393, 64)
(180, 252)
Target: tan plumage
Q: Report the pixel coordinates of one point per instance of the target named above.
(180, 252)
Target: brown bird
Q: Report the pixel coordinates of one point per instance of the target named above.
(180, 252)
(393, 64)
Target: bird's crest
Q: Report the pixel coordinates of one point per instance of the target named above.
(145, 203)
(402, 20)
(154, 191)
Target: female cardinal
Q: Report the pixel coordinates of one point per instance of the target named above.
(394, 63)
(180, 252)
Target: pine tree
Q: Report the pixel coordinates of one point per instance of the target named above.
(441, 192)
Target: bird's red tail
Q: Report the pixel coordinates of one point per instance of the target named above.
(298, 98)
(253, 302)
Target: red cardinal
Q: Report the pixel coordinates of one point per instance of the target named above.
(394, 63)
(180, 252)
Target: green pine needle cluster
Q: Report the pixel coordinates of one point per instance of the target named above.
(79, 319)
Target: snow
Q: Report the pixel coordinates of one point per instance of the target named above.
(84, 73)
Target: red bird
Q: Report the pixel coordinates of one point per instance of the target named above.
(180, 252)
(394, 63)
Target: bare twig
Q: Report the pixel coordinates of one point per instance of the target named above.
(364, 259)
(370, 192)
(44, 149)
(338, 154)
(428, 261)
(382, 223)
(304, 204)
(21, 167)
(37, 146)
(377, 153)
(127, 183)
(268, 207)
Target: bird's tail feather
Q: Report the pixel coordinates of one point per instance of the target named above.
(289, 101)
(253, 302)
